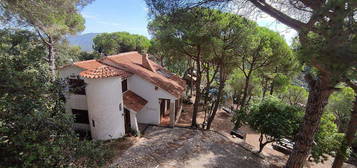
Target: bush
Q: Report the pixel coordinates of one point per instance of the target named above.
(274, 120)
(327, 140)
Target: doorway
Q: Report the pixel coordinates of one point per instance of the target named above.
(127, 121)
(164, 112)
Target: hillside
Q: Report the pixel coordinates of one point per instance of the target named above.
(85, 41)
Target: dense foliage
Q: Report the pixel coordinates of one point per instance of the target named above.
(51, 20)
(340, 104)
(118, 42)
(327, 34)
(327, 139)
(274, 120)
(34, 129)
(216, 43)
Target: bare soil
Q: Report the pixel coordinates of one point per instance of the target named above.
(163, 147)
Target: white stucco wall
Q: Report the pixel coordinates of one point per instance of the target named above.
(134, 121)
(74, 101)
(104, 97)
(78, 101)
(150, 114)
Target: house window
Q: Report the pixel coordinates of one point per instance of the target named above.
(124, 85)
(156, 88)
(77, 86)
(80, 116)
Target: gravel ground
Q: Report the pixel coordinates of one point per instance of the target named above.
(185, 148)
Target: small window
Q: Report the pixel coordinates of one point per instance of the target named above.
(124, 85)
(156, 87)
(80, 116)
(93, 123)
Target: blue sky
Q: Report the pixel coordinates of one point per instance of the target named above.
(131, 16)
(116, 15)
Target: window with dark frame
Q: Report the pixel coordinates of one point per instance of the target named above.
(80, 116)
(124, 85)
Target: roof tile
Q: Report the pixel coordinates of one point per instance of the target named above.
(104, 71)
(132, 61)
(133, 101)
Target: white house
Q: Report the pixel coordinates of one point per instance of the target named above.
(110, 96)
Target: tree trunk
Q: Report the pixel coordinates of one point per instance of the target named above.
(198, 93)
(245, 94)
(320, 90)
(245, 91)
(272, 83)
(264, 92)
(219, 97)
(272, 87)
(51, 58)
(349, 136)
(261, 144)
(207, 87)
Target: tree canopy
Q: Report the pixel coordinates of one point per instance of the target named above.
(326, 30)
(118, 42)
(274, 120)
(51, 20)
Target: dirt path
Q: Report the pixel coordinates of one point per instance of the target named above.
(186, 148)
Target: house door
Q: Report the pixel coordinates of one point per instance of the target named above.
(127, 120)
(162, 107)
(164, 112)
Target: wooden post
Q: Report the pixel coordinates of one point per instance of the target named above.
(172, 113)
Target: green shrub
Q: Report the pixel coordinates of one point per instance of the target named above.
(274, 120)
(35, 131)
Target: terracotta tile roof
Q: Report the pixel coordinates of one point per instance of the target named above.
(89, 64)
(133, 101)
(104, 71)
(132, 62)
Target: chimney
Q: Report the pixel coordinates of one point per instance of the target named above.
(146, 62)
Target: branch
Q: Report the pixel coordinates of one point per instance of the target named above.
(283, 18)
(42, 38)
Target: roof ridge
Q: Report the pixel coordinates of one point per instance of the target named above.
(102, 62)
(121, 54)
(85, 61)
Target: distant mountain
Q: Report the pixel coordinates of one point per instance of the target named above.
(85, 41)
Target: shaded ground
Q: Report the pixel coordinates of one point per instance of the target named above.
(162, 147)
(222, 124)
